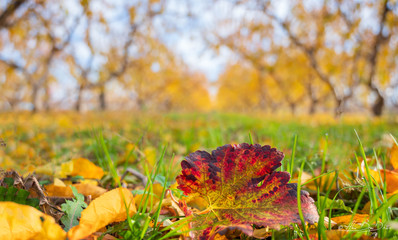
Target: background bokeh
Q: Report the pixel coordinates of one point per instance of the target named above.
(301, 56)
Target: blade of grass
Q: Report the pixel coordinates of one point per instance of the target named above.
(299, 202)
(324, 154)
(156, 215)
(331, 205)
(250, 138)
(291, 163)
(383, 207)
(321, 227)
(368, 180)
(113, 172)
(317, 177)
(357, 203)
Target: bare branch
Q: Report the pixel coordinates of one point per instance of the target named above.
(10, 9)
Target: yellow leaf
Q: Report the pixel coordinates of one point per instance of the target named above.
(59, 182)
(196, 202)
(150, 155)
(48, 169)
(88, 181)
(85, 168)
(104, 210)
(25, 222)
(66, 169)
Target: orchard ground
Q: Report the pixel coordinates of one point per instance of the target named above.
(323, 145)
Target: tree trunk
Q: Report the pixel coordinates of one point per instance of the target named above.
(292, 108)
(78, 103)
(312, 108)
(339, 108)
(35, 91)
(47, 98)
(101, 98)
(263, 103)
(140, 103)
(378, 106)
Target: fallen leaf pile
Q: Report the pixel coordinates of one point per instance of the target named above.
(233, 192)
(19, 221)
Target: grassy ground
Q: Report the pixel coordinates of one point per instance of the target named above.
(319, 144)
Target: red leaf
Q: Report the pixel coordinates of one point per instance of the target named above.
(241, 187)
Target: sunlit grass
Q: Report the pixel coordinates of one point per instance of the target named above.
(155, 144)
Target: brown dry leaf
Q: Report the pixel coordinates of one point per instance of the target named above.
(25, 222)
(85, 168)
(106, 209)
(66, 192)
(357, 220)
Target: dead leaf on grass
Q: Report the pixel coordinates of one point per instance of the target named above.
(357, 220)
(106, 209)
(87, 169)
(66, 192)
(241, 187)
(25, 222)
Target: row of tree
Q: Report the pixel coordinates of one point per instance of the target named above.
(329, 55)
(100, 48)
(339, 54)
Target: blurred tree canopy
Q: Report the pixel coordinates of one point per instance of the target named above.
(299, 55)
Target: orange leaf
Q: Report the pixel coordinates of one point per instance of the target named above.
(25, 222)
(88, 189)
(341, 234)
(85, 189)
(106, 209)
(391, 178)
(357, 220)
(394, 156)
(85, 168)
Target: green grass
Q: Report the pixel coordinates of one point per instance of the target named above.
(321, 149)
